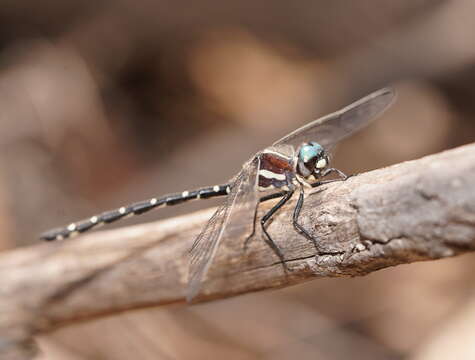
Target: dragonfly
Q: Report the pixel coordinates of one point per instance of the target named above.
(296, 162)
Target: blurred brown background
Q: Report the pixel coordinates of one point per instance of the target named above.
(108, 102)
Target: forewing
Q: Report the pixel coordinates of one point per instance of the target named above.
(239, 205)
(282, 149)
(332, 128)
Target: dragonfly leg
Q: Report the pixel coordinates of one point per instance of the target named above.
(341, 174)
(253, 232)
(266, 218)
(342, 177)
(299, 227)
(262, 199)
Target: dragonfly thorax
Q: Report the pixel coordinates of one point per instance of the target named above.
(312, 159)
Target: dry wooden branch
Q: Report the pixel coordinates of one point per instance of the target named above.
(418, 210)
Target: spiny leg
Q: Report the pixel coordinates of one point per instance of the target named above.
(295, 219)
(342, 177)
(262, 199)
(253, 232)
(267, 217)
(341, 174)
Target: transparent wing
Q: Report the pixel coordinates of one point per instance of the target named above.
(238, 208)
(283, 149)
(332, 128)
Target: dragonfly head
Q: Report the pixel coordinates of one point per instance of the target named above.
(312, 159)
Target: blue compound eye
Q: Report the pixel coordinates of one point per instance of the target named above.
(310, 151)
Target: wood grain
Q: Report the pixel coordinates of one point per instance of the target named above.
(417, 210)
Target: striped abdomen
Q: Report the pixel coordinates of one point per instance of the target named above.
(133, 209)
(275, 171)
